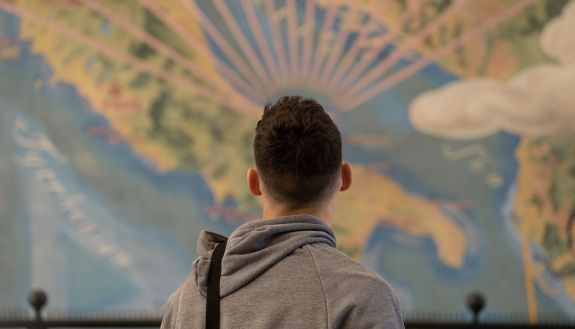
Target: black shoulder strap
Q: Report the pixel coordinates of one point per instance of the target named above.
(213, 293)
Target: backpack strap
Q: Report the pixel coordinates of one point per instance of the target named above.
(213, 292)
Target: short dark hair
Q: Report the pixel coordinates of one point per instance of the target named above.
(298, 151)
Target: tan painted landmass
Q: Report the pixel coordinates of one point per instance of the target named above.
(541, 169)
(375, 199)
(69, 60)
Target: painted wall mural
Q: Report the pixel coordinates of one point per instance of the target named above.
(126, 128)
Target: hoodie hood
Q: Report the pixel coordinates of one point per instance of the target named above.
(255, 247)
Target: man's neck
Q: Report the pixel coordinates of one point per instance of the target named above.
(324, 212)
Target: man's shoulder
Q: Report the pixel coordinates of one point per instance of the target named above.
(356, 296)
(337, 267)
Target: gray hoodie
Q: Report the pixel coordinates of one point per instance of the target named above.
(284, 273)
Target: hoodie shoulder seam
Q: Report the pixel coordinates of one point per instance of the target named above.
(178, 309)
(322, 286)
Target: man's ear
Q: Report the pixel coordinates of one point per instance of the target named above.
(254, 182)
(346, 177)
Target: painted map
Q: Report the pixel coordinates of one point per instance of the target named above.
(126, 128)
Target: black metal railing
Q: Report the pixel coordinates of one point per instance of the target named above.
(475, 303)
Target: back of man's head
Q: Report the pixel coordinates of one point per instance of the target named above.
(298, 152)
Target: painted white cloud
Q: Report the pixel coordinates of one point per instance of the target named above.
(539, 101)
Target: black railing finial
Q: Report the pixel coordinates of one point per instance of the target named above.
(475, 303)
(38, 299)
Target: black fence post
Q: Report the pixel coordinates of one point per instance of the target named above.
(475, 303)
(38, 300)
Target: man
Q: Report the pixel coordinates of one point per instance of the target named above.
(284, 271)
